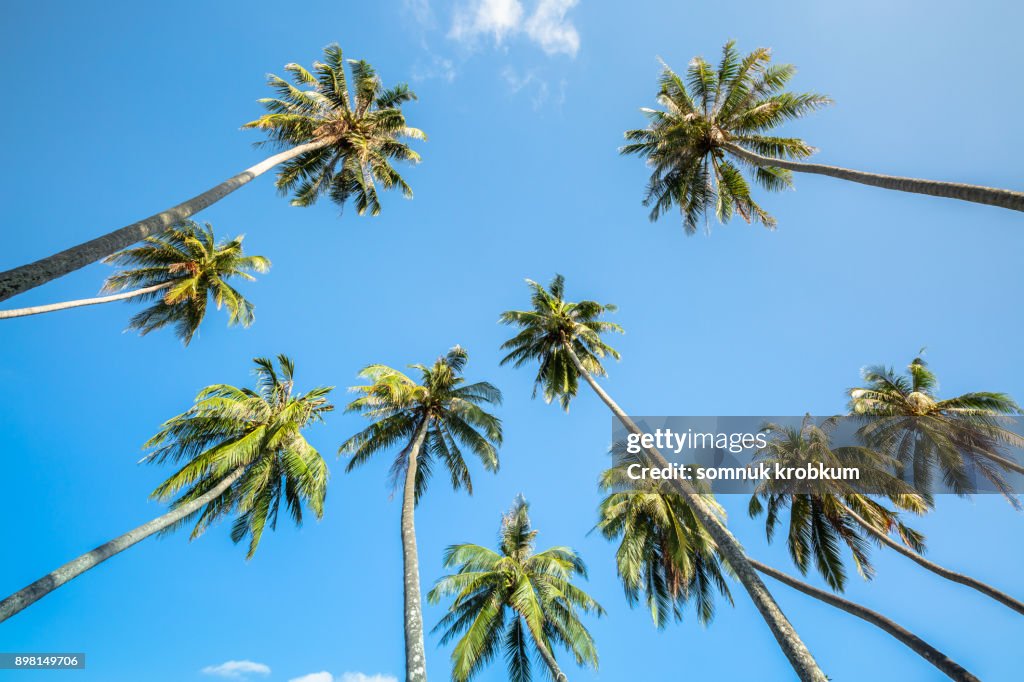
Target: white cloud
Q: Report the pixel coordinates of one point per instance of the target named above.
(345, 677)
(480, 17)
(547, 26)
(361, 677)
(314, 677)
(236, 670)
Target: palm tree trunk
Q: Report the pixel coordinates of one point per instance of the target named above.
(940, 660)
(990, 196)
(730, 548)
(415, 652)
(53, 307)
(76, 567)
(935, 568)
(549, 659)
(25, 277)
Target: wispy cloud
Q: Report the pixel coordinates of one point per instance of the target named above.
(550, 29)
(547, 25)
(434, 67)
(314, 677)
(420, 12)
(236, 670)
(345, 677)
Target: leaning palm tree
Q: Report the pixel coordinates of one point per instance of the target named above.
(514, 599)
(960, 438)
(820, 511)
(431, 420)
(564, 339)
(335, 140)
(244, 455)
(182, 268)
(664, 554)
(715, 117)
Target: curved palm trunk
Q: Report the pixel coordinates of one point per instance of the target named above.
(53, 307)
(940, 660)
(25, 277)
(935, 568)
(549, 659)
(730, 548)
(990, 196)
(71, 570)
(415, 652)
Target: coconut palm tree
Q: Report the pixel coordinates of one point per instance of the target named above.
(182, 268)
(244, 455)
(716, 122)
(961, 438)
(821, 512)
(431, 421)
(514, 599)
(664, 554)
(828, 513)
(564, 339)
(335, 140)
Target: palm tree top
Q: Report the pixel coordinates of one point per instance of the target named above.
(550, 324)
(665, 555)
(702, 114)
(819, 523)
(506, 597)
(442, 403)
(194, 267)
(958, 437)
(258, 430)
(364, 131)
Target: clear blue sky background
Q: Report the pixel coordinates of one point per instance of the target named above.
(115, 110)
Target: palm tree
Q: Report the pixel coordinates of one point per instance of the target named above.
(183, 268)
(430, 419)
(821, 512)
(564, 338)
(334, 142)
(244, 455)
(664, 554)
(713, 118)
(961, 437)
(516, 599)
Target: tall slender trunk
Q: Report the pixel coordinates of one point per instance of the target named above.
(940, 660)
(53, 307)
(730, 548)
(415, 652)
(549, 658)
(76, 567)
(935, 568)
(990, 196)
(25, 277)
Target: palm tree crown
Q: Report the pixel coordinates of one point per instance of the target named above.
(443, 403)
(819, 519)
(256, 431)
(552, 325)
(665, 554)
(364, 131)
(514, 599)
(687, 141)
(193, 267)
(960, 438)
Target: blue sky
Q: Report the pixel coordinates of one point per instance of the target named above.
(116, 110)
